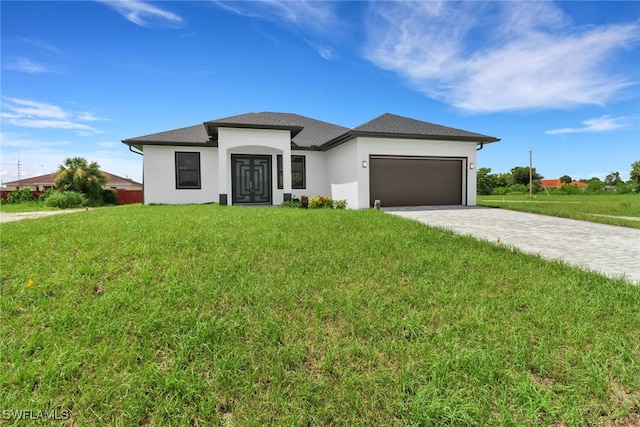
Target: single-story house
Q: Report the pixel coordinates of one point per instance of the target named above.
(556, 183)
(269, 158)
(45, 182)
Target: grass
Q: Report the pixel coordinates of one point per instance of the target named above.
(34, 206)
(209, 315)
(623, 209)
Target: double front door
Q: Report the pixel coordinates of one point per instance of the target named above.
(251, 179)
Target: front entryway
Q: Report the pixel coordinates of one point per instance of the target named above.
(251, 179)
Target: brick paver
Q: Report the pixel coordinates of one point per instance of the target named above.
(607, 249)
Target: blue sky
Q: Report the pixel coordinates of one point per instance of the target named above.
(561, 79)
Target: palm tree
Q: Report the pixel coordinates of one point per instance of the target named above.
(76, 174)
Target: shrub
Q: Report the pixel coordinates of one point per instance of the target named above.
(44, 196)
(517, 189)
(317, 202)
(66, 199)
(20, 196)
(500, 191)
(569, 189)
(340, 204)
(110, 196)
(292, 204)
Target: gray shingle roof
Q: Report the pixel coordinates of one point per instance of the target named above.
(252, 119)
(398, 125)
(311, 133)
(314, 132)
(191, 134)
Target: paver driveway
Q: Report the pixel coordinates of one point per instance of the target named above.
(607, 249)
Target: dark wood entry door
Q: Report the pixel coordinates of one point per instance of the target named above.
(251, 179)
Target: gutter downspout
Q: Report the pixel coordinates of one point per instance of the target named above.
(137, 152)
(477, 149)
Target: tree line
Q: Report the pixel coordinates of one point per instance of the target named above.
(516, 181)
(78, 183)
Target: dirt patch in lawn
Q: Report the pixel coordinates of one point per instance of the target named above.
(17, 216)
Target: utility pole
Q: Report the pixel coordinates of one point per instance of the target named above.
(530, 174)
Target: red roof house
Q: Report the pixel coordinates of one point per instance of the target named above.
(45, 182)
(556, 183)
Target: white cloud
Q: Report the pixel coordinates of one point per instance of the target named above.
(52, 124)
(327, 52)
(303, 13)
(42, 46)
(600, 124)
(144, 14)
(25, 65)
(311, 17)
(28, 108)
(86, 116)
(454, 52)
(41, 115)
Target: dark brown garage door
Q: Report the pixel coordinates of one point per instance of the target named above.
(415, 181)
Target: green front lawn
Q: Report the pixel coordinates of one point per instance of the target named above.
(209, 315)
(614, 209)
(34, 206)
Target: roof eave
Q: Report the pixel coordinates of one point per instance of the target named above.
(293, 129)
(138, 144)
(354, 134)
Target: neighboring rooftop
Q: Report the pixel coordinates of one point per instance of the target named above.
(556, 183)
(50, 179)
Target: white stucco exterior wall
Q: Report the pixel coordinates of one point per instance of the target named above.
(254, 141)
(408, 147)
(344, 175)
(159, 172)
(338, 172)
(317, 179)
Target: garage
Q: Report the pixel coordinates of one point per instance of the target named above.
(415, 181)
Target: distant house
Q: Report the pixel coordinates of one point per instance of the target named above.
(556, 183)
(45, 182)
(269, 158)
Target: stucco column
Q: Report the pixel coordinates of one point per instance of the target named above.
(286, 171)
(223, 175)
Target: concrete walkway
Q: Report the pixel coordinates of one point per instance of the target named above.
(607, 249)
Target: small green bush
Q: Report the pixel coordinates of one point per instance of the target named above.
(517, 189)
(340, 204)
(292, 204)
(500, 191)
(66, 199)
(44, 196)
(571, 189)
(321, 202)
(316, 202)
(21, 195)
(110, 196)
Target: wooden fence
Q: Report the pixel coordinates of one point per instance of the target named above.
(125, 197)
(129, 197)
